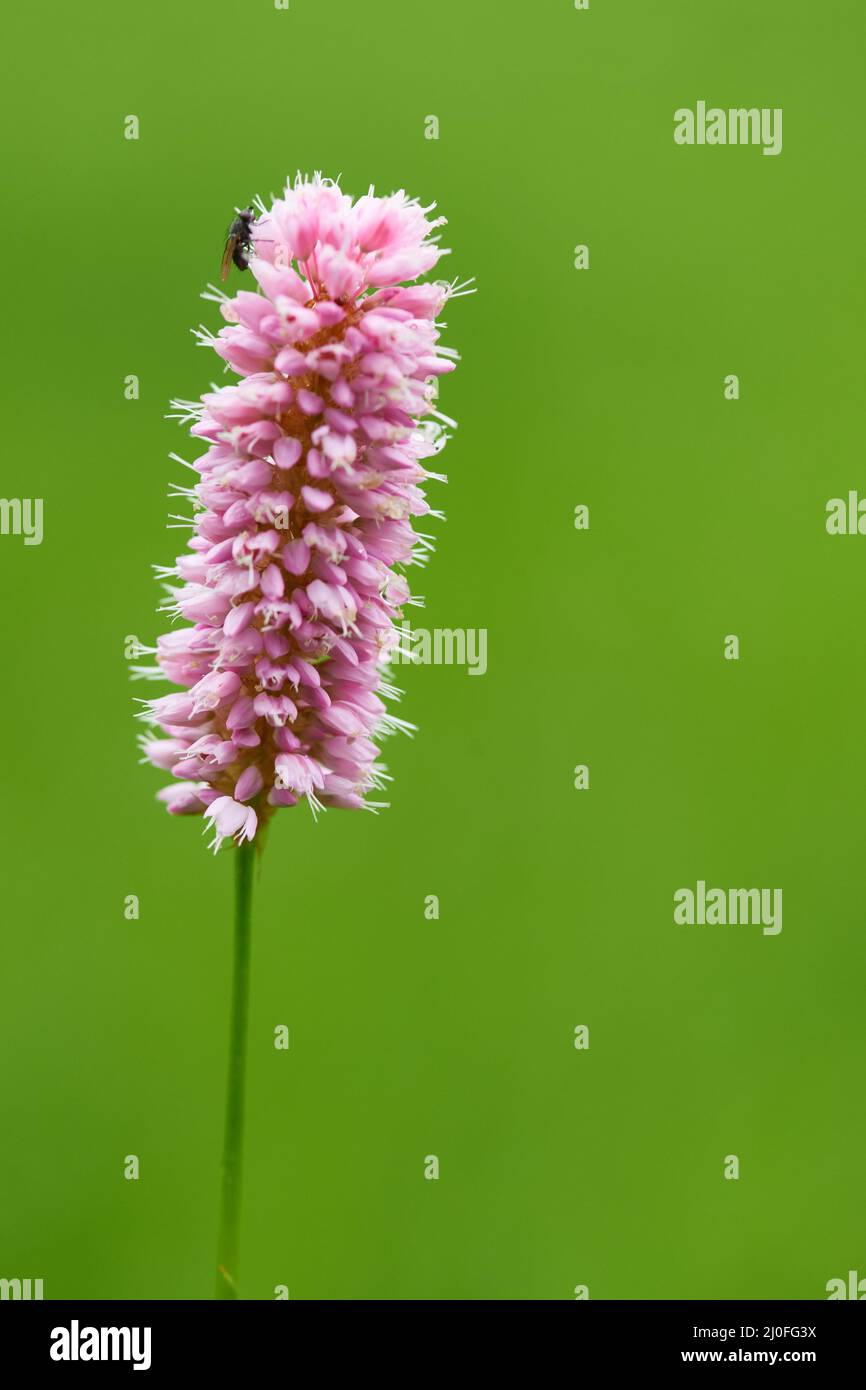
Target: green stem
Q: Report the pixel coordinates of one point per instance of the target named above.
(230, 1204)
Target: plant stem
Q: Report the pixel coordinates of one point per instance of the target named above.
(230, 1204)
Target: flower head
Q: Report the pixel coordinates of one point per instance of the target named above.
(313, 472)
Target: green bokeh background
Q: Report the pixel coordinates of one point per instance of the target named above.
(454, 1037)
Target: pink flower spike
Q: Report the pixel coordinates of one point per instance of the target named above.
(312, 471)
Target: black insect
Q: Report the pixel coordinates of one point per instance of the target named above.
(239, 242)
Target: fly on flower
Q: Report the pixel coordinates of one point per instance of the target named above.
(239, 242)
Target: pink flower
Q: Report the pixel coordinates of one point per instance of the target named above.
(229, 819)
(313, 471)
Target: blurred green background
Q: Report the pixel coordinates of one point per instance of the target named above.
(604, 387)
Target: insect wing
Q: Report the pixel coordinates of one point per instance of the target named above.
(228, 254)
